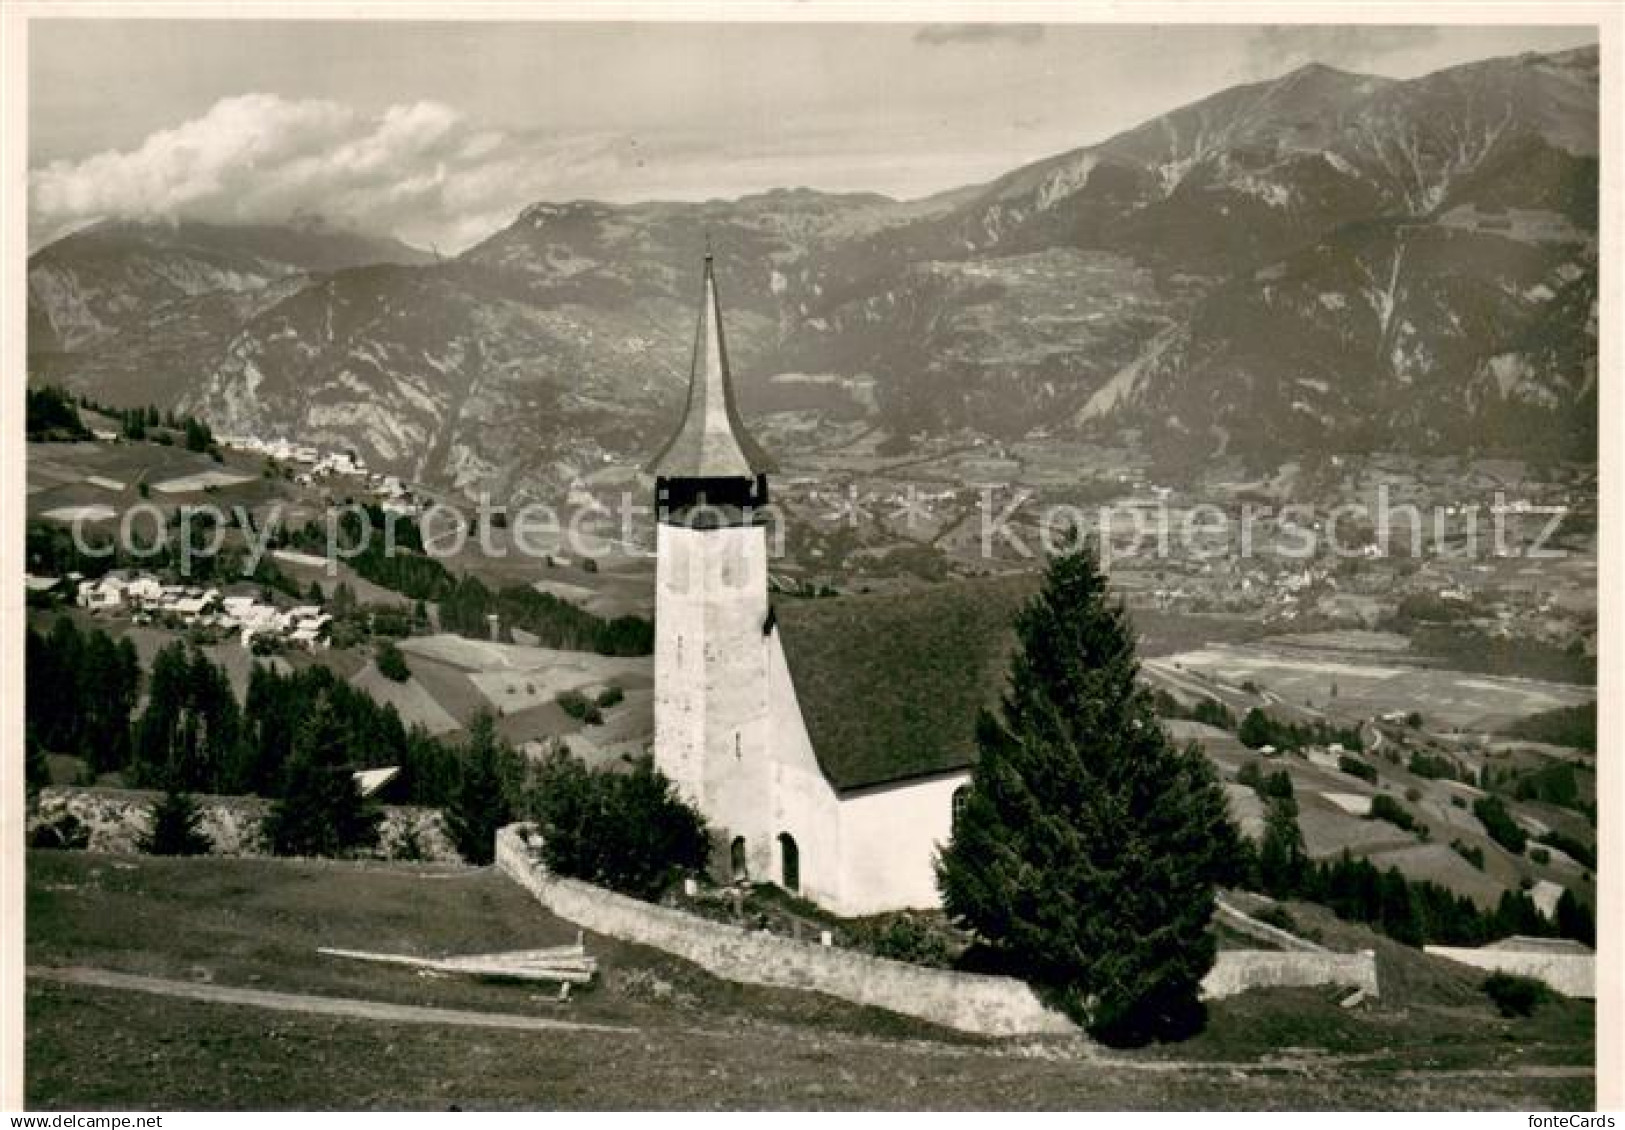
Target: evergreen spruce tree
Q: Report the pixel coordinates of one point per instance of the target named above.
(189, 735)
(1088, 847)
(1575, 920)
(1282, 860)
(175, 827)
(321, 810)
(481, 801)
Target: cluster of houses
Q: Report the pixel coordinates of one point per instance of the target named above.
(282, 450)
(146, 597)
(318, 464)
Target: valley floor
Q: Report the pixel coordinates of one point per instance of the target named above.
(188, 984)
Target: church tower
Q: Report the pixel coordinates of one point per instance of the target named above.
(712, 619)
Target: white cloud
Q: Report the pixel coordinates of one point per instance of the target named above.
(418, 171)
(425, 173)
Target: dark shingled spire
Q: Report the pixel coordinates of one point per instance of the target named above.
(711, 442)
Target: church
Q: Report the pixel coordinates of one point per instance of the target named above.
(825, 757)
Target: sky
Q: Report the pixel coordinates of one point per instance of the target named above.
(440, 133)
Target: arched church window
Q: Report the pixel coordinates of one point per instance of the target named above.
(789, 862)
(737, 868)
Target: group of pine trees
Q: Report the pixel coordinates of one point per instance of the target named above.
(1416, 912)
(298, 738)
(1260, 728)
(50, 416)
(141, 422)
(80, 690)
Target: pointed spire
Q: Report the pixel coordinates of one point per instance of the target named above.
(711, 441)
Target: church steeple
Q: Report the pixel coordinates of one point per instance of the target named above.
(711, 456)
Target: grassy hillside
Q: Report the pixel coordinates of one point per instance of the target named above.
(696, 1042)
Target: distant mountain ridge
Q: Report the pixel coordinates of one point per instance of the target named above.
(1325, 260)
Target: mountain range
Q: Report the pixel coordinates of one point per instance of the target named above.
(1321, 262)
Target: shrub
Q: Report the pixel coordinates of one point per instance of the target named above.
(1578, 850)
(1499, 824)
(1354, 767)
(1214, 713)
(579, 707)
(1277, 785)
(175, 827)
(629, 831)
(1256, 730)
(1553, 783)
(1471, 853)
(392, 663)
(1540, 855)
(1432, 766)
(1385, 807)
(907, 937)
(1575, 919)
(1270, 786)
(51, 415)
(1514, 995)
(610, 696)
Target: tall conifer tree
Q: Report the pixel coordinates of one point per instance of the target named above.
(482, 799)
(1087, 850)
(321, 811)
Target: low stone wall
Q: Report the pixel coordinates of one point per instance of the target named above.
(1236, 971)
(991, 1006)
(1572, 974)
(117, 818)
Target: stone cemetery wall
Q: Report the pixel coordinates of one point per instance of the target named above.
(1572, 974)
(993, 1006)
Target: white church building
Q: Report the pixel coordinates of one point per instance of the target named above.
(844, 791)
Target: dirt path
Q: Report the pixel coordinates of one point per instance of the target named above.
(315, 1005)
